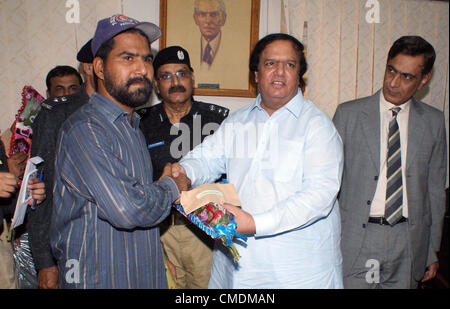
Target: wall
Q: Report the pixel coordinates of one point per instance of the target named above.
(347, 47)
(35, 36)
(270, 14)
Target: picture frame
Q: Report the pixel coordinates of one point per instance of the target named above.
(232, 35)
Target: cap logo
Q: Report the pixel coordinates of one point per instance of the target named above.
(180, 55)
(122, 20)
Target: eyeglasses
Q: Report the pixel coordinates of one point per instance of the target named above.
(180, 75)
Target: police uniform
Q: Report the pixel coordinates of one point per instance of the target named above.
(187, 247)
(156, 127)
(45, 127)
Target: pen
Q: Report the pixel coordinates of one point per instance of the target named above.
(41, 176)
(155, 145)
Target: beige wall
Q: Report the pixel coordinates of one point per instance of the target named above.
(346, 50)
(270, 17)
(35, 37)
(347, 53)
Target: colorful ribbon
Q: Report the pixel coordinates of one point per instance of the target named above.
(228, 231)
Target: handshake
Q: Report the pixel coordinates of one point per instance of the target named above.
(244, 220)
(178, 174)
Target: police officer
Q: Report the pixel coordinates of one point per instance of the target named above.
(62, 80)
(54, 112)
(173, 128)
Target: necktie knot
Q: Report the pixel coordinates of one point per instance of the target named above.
(395, 111)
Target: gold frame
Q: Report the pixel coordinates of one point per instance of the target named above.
(254, 33)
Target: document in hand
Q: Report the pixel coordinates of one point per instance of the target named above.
(24, 193)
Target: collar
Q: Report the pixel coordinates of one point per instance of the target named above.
(111, 110)
(162, 115)
(386, 106)
(214, 43)
(293, 106)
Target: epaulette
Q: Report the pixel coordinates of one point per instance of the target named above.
(223, 111)
(142, 111)
(51, 102)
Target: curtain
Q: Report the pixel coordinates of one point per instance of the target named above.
(347, 55)
(35, 36)
(347, 42)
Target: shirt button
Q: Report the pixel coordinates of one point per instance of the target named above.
(364, 226)
(368, 202)
(375, 178)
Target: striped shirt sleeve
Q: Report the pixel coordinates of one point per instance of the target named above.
(108, 181)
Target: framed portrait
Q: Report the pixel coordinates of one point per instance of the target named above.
(219, 36)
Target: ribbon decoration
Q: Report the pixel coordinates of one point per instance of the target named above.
(217, 231)
(229, 230)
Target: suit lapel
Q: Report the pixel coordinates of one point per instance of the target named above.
(415, 131)
(371, 127)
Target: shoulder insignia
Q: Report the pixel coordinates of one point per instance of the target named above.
(213, 108)
(219, 109)
(142, 111)
(46, 106)
(51, 102)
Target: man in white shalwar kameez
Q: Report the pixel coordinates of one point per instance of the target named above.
(285, 158)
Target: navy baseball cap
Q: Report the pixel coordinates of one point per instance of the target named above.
(85, 53)
(109, 27)
(172, 54)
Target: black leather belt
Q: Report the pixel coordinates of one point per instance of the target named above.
(383, 221)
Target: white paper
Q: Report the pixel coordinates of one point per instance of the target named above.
(24, 193)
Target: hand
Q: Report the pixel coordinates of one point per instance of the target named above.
(167, 171)
(8, 184)
(183, 182)
(244, 220)
(37, 191)
(17, 163)
(180, 177)
(177, 169)
(48, 278)
(431, 272)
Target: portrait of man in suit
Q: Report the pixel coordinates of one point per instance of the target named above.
(209, 16)
(392, 197)
(217, 34)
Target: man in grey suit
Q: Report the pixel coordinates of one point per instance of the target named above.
(392, 198)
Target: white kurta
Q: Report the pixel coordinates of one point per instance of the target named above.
(287, 170)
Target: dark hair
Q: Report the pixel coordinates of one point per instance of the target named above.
(414, 46)
(62, 70)
(262, 44)
(107, 47)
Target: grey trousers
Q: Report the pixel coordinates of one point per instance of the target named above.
(384, 260)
